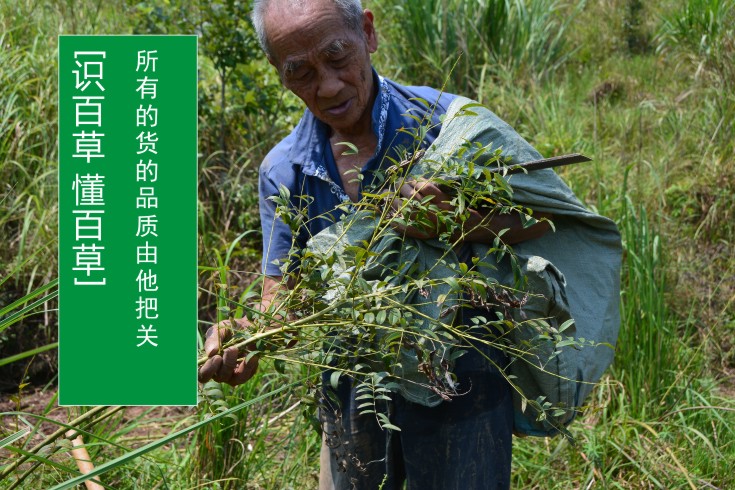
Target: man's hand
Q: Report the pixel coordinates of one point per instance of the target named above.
(417, 190)
(480, 226)
(223, 366)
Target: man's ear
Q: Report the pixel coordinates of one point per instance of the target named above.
(368, 27)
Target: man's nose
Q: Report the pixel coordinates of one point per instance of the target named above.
(329, 83)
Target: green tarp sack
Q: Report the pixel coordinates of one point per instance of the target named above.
(572, 275)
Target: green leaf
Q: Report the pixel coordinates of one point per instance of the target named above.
(453, 283)
(394, 316)
(422, 101)
(566, 342)
(385, 423)
(334, 379)
(351, 149)
(380, 317)
(280, 365)
(566, 325)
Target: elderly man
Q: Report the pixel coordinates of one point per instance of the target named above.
(321, 49)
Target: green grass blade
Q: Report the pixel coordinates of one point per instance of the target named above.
(5, 310)
(19, 315)
(12, 438)
(40, 458)
(28, 353)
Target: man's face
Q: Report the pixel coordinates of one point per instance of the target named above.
(324, 63)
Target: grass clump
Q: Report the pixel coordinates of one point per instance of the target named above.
(474, 40)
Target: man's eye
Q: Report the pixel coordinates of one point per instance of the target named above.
(300, 75)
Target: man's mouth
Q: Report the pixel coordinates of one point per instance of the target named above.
(339, 109)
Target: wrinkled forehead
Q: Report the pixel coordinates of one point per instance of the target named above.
(328, 49)
(308, 31)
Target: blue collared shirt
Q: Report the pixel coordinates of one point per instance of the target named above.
(304, 164)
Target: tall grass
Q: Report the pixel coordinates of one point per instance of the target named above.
(647, 354)
(655, 421)
(524, 37)
(28, 149)
(700, 35)
(28, 209)
(700, 26)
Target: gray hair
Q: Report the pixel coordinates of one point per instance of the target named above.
(351, 12)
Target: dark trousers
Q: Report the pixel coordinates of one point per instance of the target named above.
(462, 444)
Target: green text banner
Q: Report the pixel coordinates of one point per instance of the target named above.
(127, 220)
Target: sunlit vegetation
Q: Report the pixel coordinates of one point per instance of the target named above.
(644, 88)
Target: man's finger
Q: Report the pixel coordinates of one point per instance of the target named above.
(420, 185)
(419, 189)
(216, 336)
(229, 362)
(209, 369)
(424, 186)
(408, 191)
(427, 188)
(229, 359)
(244, 371)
